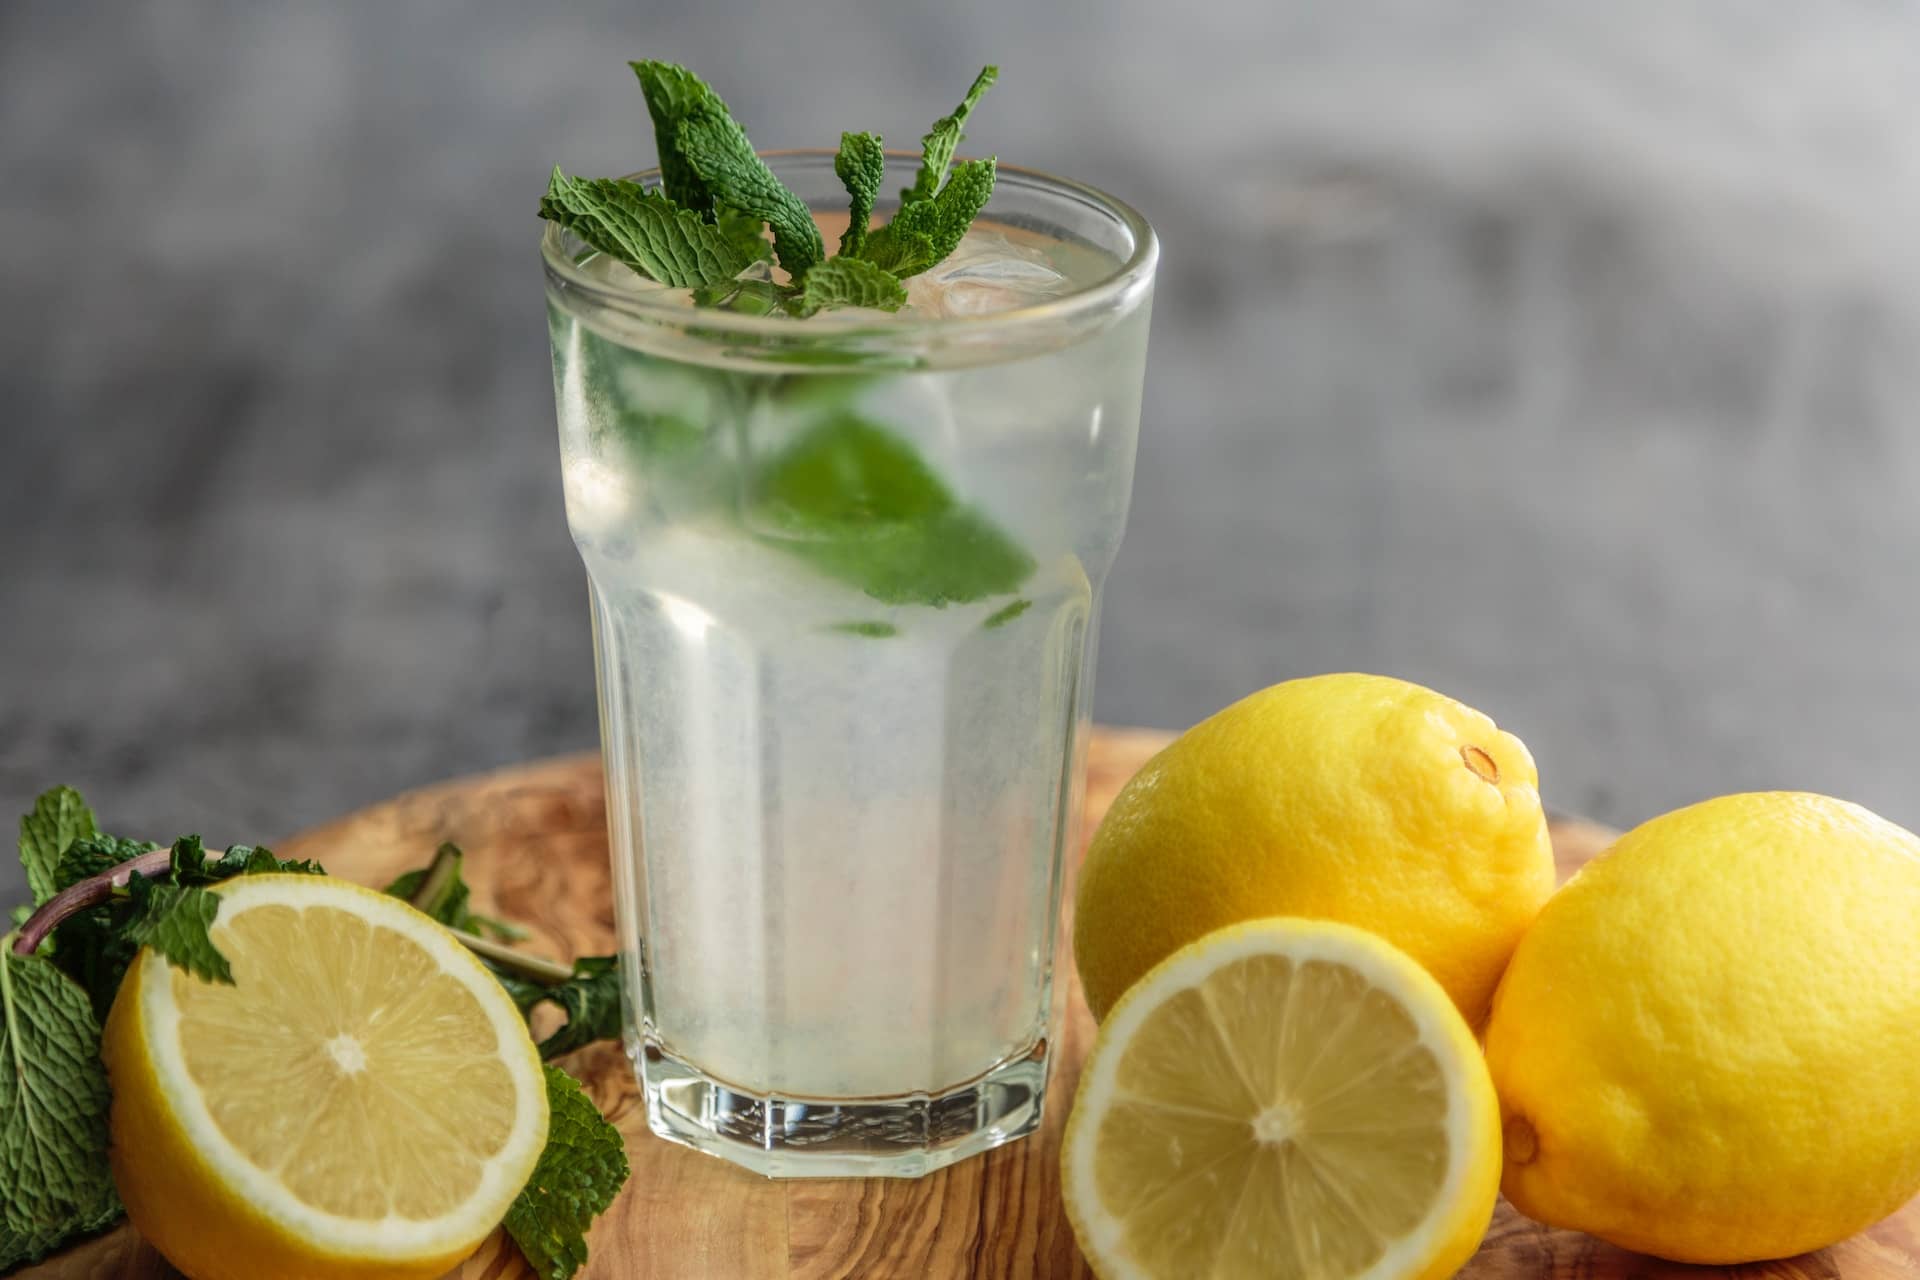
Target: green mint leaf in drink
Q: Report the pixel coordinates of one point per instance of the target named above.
(674, 94)
(939, 143)
(577, 1177)
(58, 818)
(1001, 617)
(870, 630)
(717, 148)
(859, 504)
(861, 164)
(943, 219)
(54, 1179)
(643, 229)
(849, 282)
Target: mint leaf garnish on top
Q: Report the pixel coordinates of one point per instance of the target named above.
(703, 227)
(940, 142)
(848, 282)
(644, 229)
(861, 165)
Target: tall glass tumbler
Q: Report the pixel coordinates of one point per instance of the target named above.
(845, 576)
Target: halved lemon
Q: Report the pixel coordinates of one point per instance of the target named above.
(1283, 1099)
(364, 1100)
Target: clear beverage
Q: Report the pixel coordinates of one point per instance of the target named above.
(845, 577)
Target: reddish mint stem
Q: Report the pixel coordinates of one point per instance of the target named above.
(90, 892)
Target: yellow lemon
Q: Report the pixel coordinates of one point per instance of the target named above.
(1342, 797)
(364, 1101)
(1283, 1100)
(1704, 1048)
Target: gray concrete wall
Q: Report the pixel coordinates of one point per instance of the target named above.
(1559, 355)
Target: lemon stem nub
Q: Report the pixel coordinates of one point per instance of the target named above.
(1481, 764)
(1520, 1141)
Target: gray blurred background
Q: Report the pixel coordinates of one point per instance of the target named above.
(1558, 355)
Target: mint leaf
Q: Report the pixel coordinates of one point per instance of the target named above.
(254, 860)
(592, 1003)
(54, 1179)
(643, 229)
(899, 253)
(59, 817)
(939, 143)
(441, 891)
(91, 855)
(717, 148)
(871, 630)
(849, 282)
(577, 1177)
(1001, 617)
(91, 946)
(944, 219)
(673, 95)
(746, 233)
(861, 163)
(175, 921)
(859, 504)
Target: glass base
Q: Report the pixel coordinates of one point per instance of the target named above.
(897, 1137)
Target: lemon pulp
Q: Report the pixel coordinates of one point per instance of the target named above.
(1283, 1099)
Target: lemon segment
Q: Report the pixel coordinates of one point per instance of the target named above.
(363, 1101)
(1283, 1099)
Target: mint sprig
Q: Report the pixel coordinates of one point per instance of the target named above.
(703, 227)
(109, 897)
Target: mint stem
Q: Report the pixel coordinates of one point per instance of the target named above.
(85, 894)
(548, 973)
(439, 878)
(95, 890)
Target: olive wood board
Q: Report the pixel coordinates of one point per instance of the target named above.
(536, 844)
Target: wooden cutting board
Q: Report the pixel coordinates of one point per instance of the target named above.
(535, 838)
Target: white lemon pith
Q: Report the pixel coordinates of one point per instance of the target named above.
(1283, 1099)
(1704, 1047)
(363, 1101)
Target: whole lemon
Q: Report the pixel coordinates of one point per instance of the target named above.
(1705, 1046)
(1355, 798)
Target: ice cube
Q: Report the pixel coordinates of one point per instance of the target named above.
(986, 272)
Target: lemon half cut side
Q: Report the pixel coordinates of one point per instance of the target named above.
(1283, 1099)
(363, 1101)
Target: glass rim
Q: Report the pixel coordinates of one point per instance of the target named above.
(1111, 292)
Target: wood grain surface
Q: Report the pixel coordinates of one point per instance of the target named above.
(535, 837)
